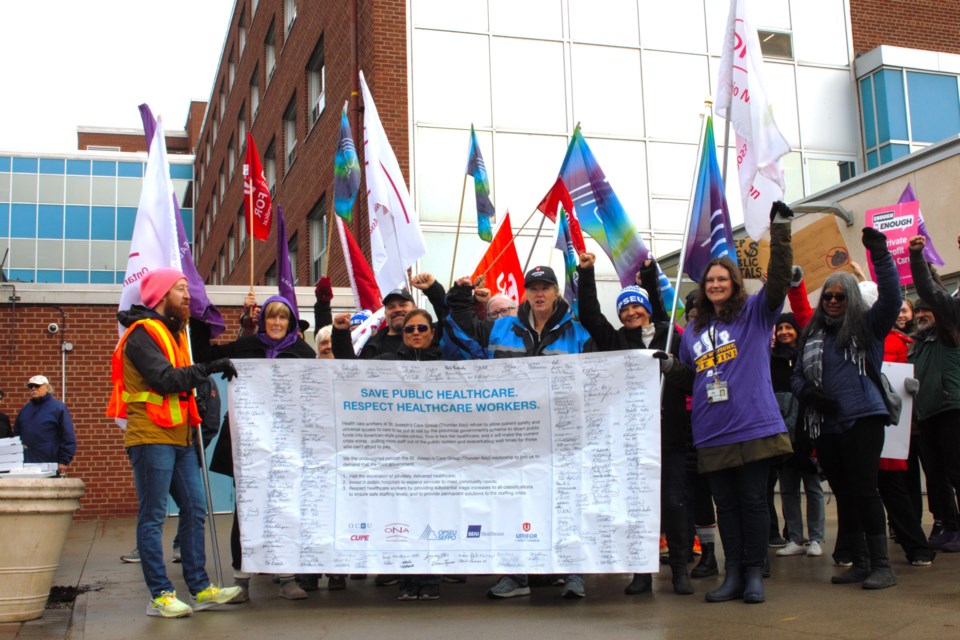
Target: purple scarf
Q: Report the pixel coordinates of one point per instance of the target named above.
(271, 346)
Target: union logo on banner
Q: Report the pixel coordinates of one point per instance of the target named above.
(526, 526)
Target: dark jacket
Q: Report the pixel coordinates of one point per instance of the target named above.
(5, 429)
(405, 353)
(46, 431)
(675, 419)
(936, 352)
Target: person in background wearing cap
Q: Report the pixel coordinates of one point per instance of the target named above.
(936, 407)
(736, 423)
(543, 326)
(277, 336)
(645, 326)
(6, 430)
(153, 381)
(45, 427)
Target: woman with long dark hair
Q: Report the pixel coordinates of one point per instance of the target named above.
(837, 378)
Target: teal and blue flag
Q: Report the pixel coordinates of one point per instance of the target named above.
(602, 216)
(346, 171)
(711, 234)
(481, 185)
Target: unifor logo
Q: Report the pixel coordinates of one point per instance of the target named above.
(526, 526)
(396, 531)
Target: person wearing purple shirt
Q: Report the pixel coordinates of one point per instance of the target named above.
(737, 428)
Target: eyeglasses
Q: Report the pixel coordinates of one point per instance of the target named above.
(416, 328)
(499, 313)
(839, 297)
(33, 386)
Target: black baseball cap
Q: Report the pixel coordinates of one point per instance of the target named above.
(540, 274)
(402, 294)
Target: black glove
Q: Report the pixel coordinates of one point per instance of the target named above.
(815, 397)
(666, 360)
(875, 242)
(780, 212)
(224, 366)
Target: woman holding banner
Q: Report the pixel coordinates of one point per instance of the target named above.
(737, 427)
(837, 378)
(645, 326)
(276, 337)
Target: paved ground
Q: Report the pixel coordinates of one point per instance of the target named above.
(800, 604)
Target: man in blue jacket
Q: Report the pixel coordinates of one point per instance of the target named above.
(45, 427)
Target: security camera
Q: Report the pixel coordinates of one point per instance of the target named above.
(53, 327)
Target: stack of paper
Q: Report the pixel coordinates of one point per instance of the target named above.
(11, 454)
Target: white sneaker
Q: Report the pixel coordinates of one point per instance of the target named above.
(792, 549)
(814, 550)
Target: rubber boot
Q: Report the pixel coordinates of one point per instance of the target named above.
(681, 581)
(708, 562)
(860, 569)
(881, 575)
(641, 583)
(753, 585)
(732, 587)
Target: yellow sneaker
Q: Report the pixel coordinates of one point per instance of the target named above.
(166, 605)
(214, 595)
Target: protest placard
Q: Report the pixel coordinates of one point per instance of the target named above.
(899, 223)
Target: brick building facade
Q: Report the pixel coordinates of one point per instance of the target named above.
(276, 63)
(916, 24)
(182, 142)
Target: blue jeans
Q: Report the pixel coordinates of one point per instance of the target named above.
(159, 469)
(742, 516)
(790, 479)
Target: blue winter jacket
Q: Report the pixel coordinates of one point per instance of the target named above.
(46, 431)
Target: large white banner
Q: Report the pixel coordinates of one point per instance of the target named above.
(539, 465)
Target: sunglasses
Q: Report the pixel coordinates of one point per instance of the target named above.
(416, 328)
(839, 297)
(33, 386)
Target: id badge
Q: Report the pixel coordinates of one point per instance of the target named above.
(717, 392)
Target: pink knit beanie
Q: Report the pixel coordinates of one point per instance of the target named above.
(155, 285)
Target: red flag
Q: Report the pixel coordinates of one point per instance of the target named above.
(558, 195)
(254, 182)
(501, 265)
(366, 292)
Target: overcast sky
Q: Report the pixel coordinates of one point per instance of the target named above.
(66, 63)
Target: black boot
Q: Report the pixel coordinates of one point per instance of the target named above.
(641, 583)
(753, 585)
(681, 581)
(881, 575)
(732, 587)
(861, 564)
(708, 562)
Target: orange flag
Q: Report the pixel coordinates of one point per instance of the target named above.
(501, 265)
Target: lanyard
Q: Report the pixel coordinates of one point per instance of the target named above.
(712, 332)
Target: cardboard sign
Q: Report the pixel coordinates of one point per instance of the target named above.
(899, 223)
(752, 257)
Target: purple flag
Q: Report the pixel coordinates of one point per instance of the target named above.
(284, 270)
(200, 306)
(929, 252)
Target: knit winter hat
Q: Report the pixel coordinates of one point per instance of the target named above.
(633, 295)
(359, 318)
(790, 319)
(156, 284)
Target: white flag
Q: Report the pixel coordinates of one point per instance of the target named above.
(742, 100)
(396, 242)
(154, 243)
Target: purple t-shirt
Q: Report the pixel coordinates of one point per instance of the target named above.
(739, 352)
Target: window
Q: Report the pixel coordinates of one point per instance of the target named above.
(223, 98)
(216, 206)
(242, 127)
(775, 44)
(206, 155)
(271, 275)
(270, 53)
(214, 121)
(254, 94)
(213, 274)
(231, 249)
(242, 33)
(242, 227)
(270, 167)
(231, 70)
(317, 221)
(290, 12)
(223, 266)
(290, 131)
(231, 160)
(292, 252)
(222, 183)
(253, 6)
(316, 82)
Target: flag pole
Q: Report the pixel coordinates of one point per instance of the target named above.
(326, 259)
(516, 234)
(726, 135)
(456, 242)
(707, 110)
(246, 174)
(534, 245)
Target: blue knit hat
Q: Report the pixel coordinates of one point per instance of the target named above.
(359, 318)
(633, 295)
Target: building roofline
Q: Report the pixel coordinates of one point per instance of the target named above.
(129, 131)
(83, 154)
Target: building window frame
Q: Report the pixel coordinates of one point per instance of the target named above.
(316, 82)
(317, 221)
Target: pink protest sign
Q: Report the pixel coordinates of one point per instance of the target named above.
(899, 223)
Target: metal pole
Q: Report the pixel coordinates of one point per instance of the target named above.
(456, 242)
(534, 245)
(726, 136)
(214, 545)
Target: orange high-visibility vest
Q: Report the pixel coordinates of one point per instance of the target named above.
(165, 411)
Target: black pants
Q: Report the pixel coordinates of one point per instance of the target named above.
(902, 514)
(742, 517)
(771, 503)
(674, 505)
(940, 448)
(851, 461)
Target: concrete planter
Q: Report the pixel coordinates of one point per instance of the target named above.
(35, 516)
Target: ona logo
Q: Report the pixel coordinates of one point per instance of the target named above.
(526, 526)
